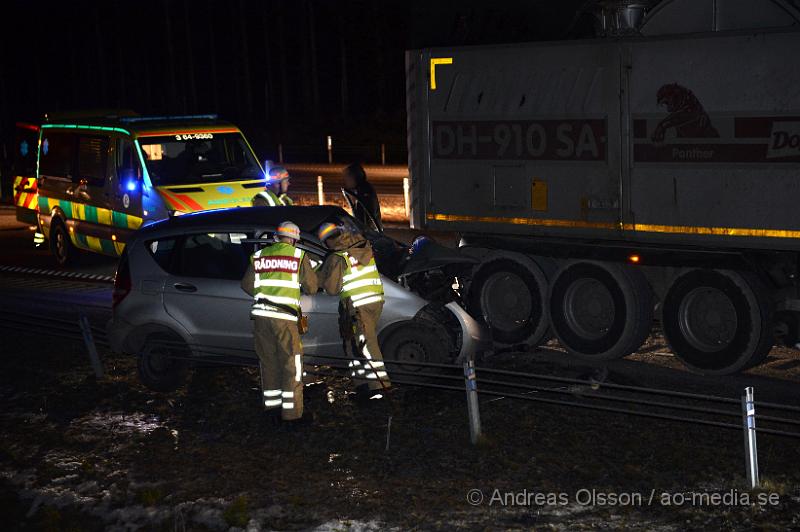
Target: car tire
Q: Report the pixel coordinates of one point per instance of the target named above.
(718, 322)
(510, 294)
(162, 362)
(61, 245)
(413, 342)
(600, 310)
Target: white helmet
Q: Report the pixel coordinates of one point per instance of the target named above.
(288, 230)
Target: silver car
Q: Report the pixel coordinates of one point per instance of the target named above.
(177, 299)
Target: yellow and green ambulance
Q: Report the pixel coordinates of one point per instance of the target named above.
(100, 179)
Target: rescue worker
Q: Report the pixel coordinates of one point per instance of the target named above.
(275, 277)
(275, 190)
(350, 272)
(368, 207)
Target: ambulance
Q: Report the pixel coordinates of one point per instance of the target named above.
(24, 165)
(101, 178)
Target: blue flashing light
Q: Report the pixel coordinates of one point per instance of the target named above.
(130, 186)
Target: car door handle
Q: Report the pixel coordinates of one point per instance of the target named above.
(185, 287)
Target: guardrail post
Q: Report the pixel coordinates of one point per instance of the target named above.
(280, 153)
(750, 450)
(320, 191)
(330, 150)
(471, 385)
(383, 154)
(88, 339)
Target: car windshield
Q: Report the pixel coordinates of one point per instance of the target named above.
(192, 158)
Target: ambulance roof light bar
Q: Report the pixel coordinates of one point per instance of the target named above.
(132, 119)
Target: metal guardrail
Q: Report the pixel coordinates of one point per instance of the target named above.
(470, 379)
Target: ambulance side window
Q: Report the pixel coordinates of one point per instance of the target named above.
(92, 160)
(57, 154)
(128, 167)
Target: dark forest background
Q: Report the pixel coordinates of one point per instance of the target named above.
(288, 71)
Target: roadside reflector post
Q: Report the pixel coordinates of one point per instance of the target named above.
(406, 198)
(471, 384)
(280, 153)
(320, 191)
(88, 339)
(383, 154)
(330, 150)
(750, 450)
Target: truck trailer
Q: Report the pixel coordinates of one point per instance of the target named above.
(652, 173)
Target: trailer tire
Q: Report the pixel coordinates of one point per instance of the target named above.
(510, 294)
(599, 310)
(718, 322)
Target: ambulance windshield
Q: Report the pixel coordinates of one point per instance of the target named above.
(195, 158)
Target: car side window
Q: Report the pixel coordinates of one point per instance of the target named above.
(212, 256)
(162, 252)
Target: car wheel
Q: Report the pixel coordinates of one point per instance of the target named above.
(162, 362)
(600, 311)
(510, 293)
(411, 343)
(61, 245)
(717, 322)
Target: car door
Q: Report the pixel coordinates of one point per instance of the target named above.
(125, 188)
(203, 292)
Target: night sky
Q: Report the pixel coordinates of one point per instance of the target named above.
(285, 71)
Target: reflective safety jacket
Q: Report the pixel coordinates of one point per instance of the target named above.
(360, 283)
(276, 283)
(273, 200)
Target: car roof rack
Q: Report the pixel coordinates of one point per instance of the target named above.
(133, 119)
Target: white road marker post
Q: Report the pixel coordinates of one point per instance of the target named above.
(471, 385)
(383, 154)
(330, 150)
(320, 191)
(88, 339)
(750, 450)
(406, 197)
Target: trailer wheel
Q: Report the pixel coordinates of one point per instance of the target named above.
(600, 311)
(718, 322)
(511, 295)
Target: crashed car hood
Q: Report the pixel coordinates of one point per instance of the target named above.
(433, 256)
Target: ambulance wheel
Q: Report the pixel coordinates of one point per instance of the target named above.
(410, 343)
(718, 322)
(162, 362)
(60, 244)
(600, 310)
(510, 293)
